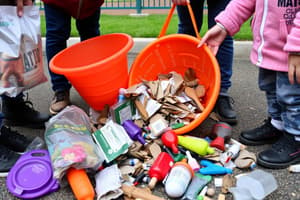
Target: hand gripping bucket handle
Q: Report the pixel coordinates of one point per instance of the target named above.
(167, 22)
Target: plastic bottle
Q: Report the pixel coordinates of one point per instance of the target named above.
(192, 161)
(294, 168)
(121, 96)
(230, 154)
(197, 184)
(178, 179)
(80, 184)
(213, 169)
(169, 139)
(197, 145)
(223, 132)
(134, 132)
(160, 168)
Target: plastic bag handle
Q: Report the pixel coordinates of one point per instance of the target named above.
(167, 22)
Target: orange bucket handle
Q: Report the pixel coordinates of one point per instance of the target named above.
(167, 22)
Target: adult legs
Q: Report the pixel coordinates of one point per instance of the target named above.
(224, 56)
(58, 32)
(224, 104)
(89, 27)
(185, 24)
(58, 27)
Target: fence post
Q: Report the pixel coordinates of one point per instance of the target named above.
(138, 6)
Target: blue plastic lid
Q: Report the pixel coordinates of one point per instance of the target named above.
(32, 176)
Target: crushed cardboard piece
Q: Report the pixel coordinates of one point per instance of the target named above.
(214, 116)
(229, 181)
(164, 76)
(245, 159)
(221, 197)
(160, 91)
(139, 123)
(233, 141)
(154, 150)
(133, 91)
(214, 157)
(103, 116)
(184, 107)
(169, 99)
(189, 74)
(167, 91)
(190, 92)
(139, 193)
(192, 83)
(177, 83)
(157, 125)
(127, 169)
(141, 109)
(200, 91)
(153, 86)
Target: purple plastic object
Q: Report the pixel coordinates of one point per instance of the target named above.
(134, 132)
(32, 176)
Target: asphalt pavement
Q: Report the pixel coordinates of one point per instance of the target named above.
(249, 103)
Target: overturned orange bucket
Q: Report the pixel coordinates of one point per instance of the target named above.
(97, 68)
(178, 52)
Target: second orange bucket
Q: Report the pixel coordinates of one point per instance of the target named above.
(97, 68)
(178, 52)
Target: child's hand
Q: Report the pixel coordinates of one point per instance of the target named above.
(180, 2)
(213, 38)
(20, 4)
(294, 68)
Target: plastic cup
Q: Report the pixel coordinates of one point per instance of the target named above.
(259, 183)
(241, 193)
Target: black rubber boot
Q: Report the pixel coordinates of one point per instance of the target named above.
(7, 159)
(283, 153)
(264, 134)
(18, 112)
(13, 140)
(224, 109)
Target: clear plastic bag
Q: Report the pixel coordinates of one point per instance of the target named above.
(69, 142)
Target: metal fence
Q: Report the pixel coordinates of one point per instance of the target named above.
(137, 5)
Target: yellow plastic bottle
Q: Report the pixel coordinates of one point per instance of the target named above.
(197, 145)
(80, 184)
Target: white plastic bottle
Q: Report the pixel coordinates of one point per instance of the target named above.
(178, 179)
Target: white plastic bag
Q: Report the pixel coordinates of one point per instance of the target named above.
(21, 56)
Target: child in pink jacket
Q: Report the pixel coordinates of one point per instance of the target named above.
(276, 51)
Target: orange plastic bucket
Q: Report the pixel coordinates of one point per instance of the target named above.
(97, 68)
(178, 52)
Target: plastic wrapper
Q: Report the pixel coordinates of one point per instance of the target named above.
(37, 143)
(69, 141)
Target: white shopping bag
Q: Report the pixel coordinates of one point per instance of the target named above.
(21, 57)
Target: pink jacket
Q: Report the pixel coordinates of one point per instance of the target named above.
(275, 27)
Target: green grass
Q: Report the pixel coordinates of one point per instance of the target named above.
(145, 26)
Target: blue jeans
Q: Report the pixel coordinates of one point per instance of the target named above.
(58, 26)
(283, 99)
(225, 53)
